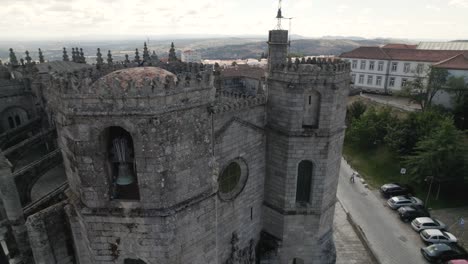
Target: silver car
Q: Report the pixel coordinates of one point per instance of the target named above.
(399, 201)
(437, 236)
(422, 223)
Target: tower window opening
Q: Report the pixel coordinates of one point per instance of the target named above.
(310, 100)
(17, 120)
(122, 167)
(10, 122)
(304, 182)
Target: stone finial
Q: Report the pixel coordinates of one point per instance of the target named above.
(314, 60)
(109, 57)
(137, 56)
(65, 55)
(309, 61)
(82, 57)
(99, 60)
(41, 57)
(73, 55)
(303, 60)
(296, 61)
(146, 56)
(22, 61)
(1, 63)
(172, 54)
(126, 59)
(290, 62)
(154, 57)
(13, 59)
(28, 58)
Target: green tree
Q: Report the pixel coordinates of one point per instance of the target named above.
(442, 154)
(403, 135)
(424, 87)
(371, 128)
(458, 87)
(355, 111)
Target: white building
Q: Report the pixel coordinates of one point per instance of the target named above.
(191, 56)
(387, 69)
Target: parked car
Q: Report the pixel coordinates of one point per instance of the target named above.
(394, 189)
(410, 212)
(422, 223)
(437, 236)
(457, 261)
(399, 201)
(437, 253)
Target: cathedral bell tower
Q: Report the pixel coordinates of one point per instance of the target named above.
(306, 111)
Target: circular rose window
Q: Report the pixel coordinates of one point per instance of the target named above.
(232, 179)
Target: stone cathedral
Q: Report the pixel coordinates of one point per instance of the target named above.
(166, 165)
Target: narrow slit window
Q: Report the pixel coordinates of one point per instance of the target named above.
(304, 182)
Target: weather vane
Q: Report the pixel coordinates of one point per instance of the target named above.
(279, 16)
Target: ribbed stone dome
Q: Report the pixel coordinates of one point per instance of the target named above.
(138, 78)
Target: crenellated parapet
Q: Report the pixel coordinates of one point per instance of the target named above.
(121, 80)
(314, 65)
(228, 101)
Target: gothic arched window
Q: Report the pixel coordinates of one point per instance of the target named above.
(121, 164)
(17, 120)
(304, 181)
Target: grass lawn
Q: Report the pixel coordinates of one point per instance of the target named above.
(380, 166)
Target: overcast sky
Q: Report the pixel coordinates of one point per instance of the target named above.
(65, 19)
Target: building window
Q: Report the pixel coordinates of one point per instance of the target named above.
(394, 66)
(311, 110)
(361, 78)
(232, 180)
(122, 166)
(353, 78)
(380, 67)
(378, 81)
(420, 68)
(371, 65)
(354, 65)
(17, 120)
(407, 68)
(363, 65)
(391, 82)
(370, 79)
(404, 82)
(304, 182)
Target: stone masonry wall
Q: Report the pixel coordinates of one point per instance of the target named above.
(50, 236)
(240, 139)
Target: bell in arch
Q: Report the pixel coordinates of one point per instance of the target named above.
(124, 175)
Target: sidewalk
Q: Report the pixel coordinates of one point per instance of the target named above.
(451, 217)
(349, 249)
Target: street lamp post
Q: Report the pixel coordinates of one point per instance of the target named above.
(430, 187)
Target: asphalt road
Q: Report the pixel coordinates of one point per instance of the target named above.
(391, 240)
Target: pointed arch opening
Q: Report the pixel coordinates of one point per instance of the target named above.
(121, 164)
(304, 182)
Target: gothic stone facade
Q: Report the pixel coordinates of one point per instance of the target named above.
(215, 176)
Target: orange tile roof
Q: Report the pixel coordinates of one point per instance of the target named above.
(379, 53)
(458, 62)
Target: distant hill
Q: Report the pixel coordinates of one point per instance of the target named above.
(210, 48)
(307, 47)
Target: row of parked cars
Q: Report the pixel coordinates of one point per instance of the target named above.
(443, 246)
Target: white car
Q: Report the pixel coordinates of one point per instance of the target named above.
(422, 223)
(437, 236)
(399, 201)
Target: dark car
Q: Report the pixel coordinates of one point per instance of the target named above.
(410, 212)
(438, 253)
(394, 189)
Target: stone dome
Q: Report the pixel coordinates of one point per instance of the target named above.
(134, 79)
